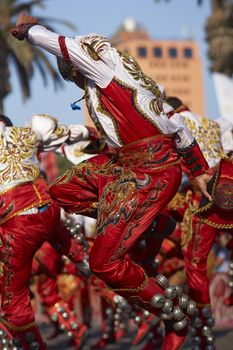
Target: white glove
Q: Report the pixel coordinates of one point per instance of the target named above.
(78, 133)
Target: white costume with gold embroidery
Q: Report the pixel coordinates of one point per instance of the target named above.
(208, 134)
(76, 153)
(226, 128)
(96, 59)
(19, 161)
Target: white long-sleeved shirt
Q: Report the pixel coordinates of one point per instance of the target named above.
(100, 72)
(19, 147)
(214, 140)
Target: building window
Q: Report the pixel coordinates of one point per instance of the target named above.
(188, 52)
(186, 78)
(186, 91)
(142, 51)
(157, 52)
(172, 52)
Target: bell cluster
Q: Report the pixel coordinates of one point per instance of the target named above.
(76, 232)
(174, 305)
(16, 343)
(121, 313)
(65, 319)
(201, 327)
(230, 275)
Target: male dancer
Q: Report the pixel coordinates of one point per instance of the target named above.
(141, 175)
(204, 219)
(28, 217)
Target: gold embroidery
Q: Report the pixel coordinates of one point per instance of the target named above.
(215, 225)
(35, 204)
(146, 156)
(90, 51)
(91, 112)
(6, 211)
(38, 195)
(104, 111)
(82, 171)
(78, 153)
(133, 290)
(63, 179)
(211, 203)
(11, 188)
(119, 199)
(1, 269)
(202, 305)
(179, 201)
(16, 154)
(15, 328)
(137, 106)
(207, 136)
(93, 45)
(68, 285)
(60, 130)
(135, 71)
(6, 255)
(186, 225)
(156, 104)
(167, 165)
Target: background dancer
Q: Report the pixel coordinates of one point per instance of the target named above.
(28, 217)
(134, 183)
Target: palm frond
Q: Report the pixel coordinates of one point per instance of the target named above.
(26, 6)
(42, 71)
(23, 76)
(22, 50)
(26, 58)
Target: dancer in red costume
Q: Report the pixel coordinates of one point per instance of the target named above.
(204, 219)
(229, 300)
(140, 175)
(47, 264)
(28, 217)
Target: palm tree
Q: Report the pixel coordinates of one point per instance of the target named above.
(23, 56)
(219, 35)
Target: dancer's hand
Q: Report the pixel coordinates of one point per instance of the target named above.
(202, 181)
(24, 18)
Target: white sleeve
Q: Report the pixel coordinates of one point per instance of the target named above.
(75, 153)
(2, 128)
(226, 128)
(184, 136)
(53, 134)
(78, 133)
(96, 70)
(3, 133)
(49, 131)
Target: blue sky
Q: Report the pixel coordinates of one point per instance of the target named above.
(176, 19)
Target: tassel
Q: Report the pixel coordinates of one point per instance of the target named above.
(74, 105)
